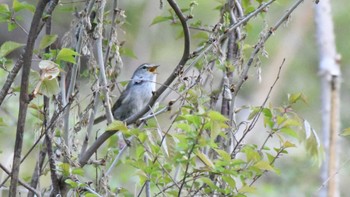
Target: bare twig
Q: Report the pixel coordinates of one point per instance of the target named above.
(100, 61)
(261, 43)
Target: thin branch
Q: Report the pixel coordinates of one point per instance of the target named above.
(24, 97)
(261, 44)
(256, 117)
(100, 61)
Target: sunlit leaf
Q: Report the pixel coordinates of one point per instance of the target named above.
(9, 46)
(67, 55)
(214, 115)
(17, 6)
(204, 159)
(4, 9)
(288, 144)
(71, 183)
(230, 181)
(117, 125)
(78, 171)
(263, 165)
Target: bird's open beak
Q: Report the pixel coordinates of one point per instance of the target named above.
(153, 69)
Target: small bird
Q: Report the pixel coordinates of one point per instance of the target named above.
(137, 94)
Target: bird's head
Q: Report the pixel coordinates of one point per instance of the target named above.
(146, 71)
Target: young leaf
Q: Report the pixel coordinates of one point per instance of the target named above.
(66, 55)
(204, 159)
(47, 40)
(117, 125)
(17, 6)
(49, 87)
(263, 165)
(9, 46)
(214, 115)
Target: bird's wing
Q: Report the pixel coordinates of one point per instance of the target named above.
(122, 98)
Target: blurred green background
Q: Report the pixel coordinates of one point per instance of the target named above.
(295, 41)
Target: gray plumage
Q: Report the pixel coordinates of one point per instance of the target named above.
(138, 92)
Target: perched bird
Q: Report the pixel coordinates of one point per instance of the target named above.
(137, 93)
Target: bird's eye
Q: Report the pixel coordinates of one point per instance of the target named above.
(144, 67)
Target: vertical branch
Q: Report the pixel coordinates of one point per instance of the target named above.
(103, 78)
(24, 97)
(330, 87)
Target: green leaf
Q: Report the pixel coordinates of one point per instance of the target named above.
(295, 97)
(184, 127)
(204, 159)
(117, 125)
(263, 165)
(288, 144)
(160, 19)
(214, 115)
(11, 26)
(209, 183)
(66, 55)
(254, 112)
(47, 40)
(4, 9)
(49, 87)
(65, 169)
(17, 6)
(345, 132)
(231, 182)
(223, 154)
(289, 131)
(78, 171)
(9, 46)
(71, 183)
